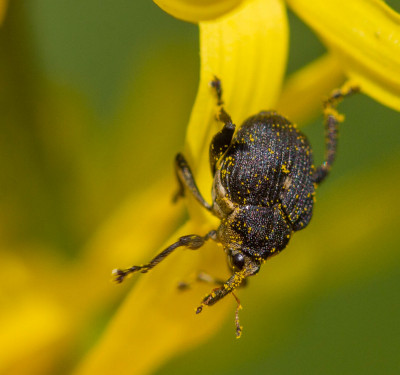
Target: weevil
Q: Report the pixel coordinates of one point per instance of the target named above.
(263, 190)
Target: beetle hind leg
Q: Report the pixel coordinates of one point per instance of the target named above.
(332, 120)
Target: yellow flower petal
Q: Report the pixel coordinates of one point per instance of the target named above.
(365, 35)
(3, 8)
(133, 233)
(31, 326)
(247, 50)
(49, 303)
(303, 92)
(156, 320)
(195, 10)
(34, 325)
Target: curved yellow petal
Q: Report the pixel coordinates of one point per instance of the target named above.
(136, 229)
(36, 323)
(195, 10)
(157, 320)
(49, 302)
(3, 8)
(32, 325)
(303, 92)
(247, 50)
(365, 36)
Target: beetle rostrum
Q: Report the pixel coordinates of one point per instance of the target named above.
(263, 190)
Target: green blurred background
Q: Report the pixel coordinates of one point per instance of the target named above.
(95, 100)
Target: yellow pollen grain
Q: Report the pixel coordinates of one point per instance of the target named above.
(284, 169)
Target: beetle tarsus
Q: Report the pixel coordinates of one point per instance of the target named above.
(216, 84)
(239, 328)
(119, 275)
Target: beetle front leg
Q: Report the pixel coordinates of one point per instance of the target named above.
(186, 180)
(235, 281)
(192, 242)
(218, 293)
(250, 268)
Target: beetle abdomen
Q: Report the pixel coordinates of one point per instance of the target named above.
(269, 161)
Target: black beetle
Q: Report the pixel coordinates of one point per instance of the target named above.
(263, 190)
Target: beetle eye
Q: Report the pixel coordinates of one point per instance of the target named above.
(237, 261)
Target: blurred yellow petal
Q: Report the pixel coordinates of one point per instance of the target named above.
(47, 303)
(132, 233)
(31, 326)
(304, 90)
(365, 36)
(34, 325)
(3, 8)
(156, 320)
(197, 10)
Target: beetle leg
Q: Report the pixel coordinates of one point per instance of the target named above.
(206, 278)
(192, 242)
(230, 285)
(186, 180)
(223, 138)
(218, 293)
(332, 120)
(202, 277)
